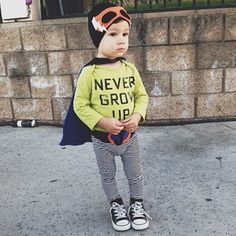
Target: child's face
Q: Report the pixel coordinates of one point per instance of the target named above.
(115, 42)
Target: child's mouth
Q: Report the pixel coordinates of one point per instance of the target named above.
(120, 49)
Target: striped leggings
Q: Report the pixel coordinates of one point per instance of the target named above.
(132, 164)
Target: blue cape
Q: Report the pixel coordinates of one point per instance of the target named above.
(75, 132)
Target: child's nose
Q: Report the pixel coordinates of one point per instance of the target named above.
(121, 40)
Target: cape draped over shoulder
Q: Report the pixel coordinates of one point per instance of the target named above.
(75, 132)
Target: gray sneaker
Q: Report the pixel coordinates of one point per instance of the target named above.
(119, 216)
(138, 216)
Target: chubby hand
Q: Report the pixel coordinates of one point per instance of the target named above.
(131, 124)
(111, 125)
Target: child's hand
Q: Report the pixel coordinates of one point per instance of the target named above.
(131, 123)
(111, 125)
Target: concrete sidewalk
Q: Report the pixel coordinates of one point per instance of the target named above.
(190, 183)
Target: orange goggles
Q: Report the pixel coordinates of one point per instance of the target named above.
(104, 19)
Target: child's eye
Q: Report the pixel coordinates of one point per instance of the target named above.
(113, 34)
(126, 34)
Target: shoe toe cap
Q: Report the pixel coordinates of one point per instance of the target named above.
(140, 221)
(122, 222)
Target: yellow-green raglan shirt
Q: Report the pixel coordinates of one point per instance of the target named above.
(107, 92)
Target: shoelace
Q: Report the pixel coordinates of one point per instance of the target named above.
(119, 210)
(138, 210)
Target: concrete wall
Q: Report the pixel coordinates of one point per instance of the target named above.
(187, 60)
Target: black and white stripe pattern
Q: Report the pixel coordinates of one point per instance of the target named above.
(132, 164)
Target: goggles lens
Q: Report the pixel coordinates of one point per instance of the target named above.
(104, 19)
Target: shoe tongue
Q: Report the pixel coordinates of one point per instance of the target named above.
(118, 200)
(132, 200)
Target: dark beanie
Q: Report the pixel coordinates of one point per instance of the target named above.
(95, 34)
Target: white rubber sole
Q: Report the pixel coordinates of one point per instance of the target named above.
(121, 227)
(141, 226)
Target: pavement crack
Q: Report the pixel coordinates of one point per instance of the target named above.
(227, 126)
